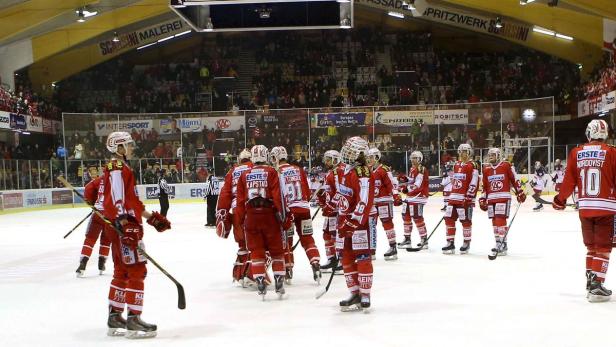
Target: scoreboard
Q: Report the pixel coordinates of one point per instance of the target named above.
(257, 15)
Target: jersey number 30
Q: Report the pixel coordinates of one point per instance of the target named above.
(591, 181)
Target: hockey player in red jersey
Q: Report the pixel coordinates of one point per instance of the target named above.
(416, 190)
(462, 199)
(331, 159)
(591, 168)
(121, 205)
(95, 227)
(227, 218)
(261, 209)
(498, 179)
(353, 199)
(385, 196)
(296, 192)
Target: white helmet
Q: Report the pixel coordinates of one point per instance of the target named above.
(597, 129)
(116, 139)
(352, 148)
(537, 164)
(244, 154)
(496, 152)
(417, 155)
(465, 147)
(277, 154)
(557, 162)
(259, 154)
(333, 155)
(374, 152)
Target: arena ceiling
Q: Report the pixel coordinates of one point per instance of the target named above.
(60, 46)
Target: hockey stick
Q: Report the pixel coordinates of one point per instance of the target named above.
(78, 224)
(329, 282)
(423, 243)
(493, 256)
(180, 288)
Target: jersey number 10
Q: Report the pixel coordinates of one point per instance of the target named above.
(591, 181)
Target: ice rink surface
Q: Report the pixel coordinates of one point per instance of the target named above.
(535, 296)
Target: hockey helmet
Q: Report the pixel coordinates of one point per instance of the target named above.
(244, 155)
(597, 129)
(352, 149)
(333, 155)
(465, 148)
(417, 155)
(116, 139)
(495, 153)
(375, 153)
(277, 154)
(259, 154)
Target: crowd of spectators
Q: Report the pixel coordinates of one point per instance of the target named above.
(23, 100)
(602, 79)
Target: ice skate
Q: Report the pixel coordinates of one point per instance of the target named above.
(288, 280)
(406, 243)
(598, 293)
(538, 208)
(365, 303)
(465, 247)
(450, 248)
(261, 287)
(138, 329)
(101, 265)
(316, 272)
(392, 253)
(353, 303)
(373, 254)
(500, 249)
(331, 263)
(444, 208)
(82, 266)
(116, 325)
(424, 243)
(279, 285)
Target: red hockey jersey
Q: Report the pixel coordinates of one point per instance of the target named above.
(294, 185)
(258, 181)
(120, 195)
(354, 195)
(91, 193)
(418, 185)
(591, 168)
(385, 185)
(228, 192)
(464, 183)
(498, 181)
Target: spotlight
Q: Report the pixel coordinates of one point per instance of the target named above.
(116, 38)
(80, 17)
(526, 2)
(499, 23)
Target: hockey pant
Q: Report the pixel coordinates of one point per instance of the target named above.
(386, 215)
(95, 229)
(499, 212)
(413, 213)
(330, 226)
(355, 251)
(264, 234)
(303, 227)
(129, 272)
(241, 266)
(598, 235)
(465, 215)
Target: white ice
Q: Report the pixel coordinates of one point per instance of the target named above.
(535, 296)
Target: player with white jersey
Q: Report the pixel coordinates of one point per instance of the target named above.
(446, 186)
(498, 178)
(462, 199)
(385, 197)
(331, 160)
(294, 187)
(538, 183)
(226, 218)
(559, 175)
(591, 168)
(416, 191)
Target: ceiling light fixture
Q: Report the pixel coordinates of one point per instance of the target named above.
(116, 38)
(499, 23)
(396, 14)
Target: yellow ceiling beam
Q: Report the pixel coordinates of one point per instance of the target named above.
(29, 14)
(601, 8)
(54, 42)
(581, 26)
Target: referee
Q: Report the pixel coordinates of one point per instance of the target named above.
(212, 189)
(163, 192)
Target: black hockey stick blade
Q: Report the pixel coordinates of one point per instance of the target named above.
(180, 288)
(412, 249)
(329, 282)
(78, 224)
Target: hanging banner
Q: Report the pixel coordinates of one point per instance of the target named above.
(598, 104)
(104, 128)
(18, 122)
(342, 119)
(48, 126)
(190, 125)
(403, 118)
(459, 116)
(140, 37)
(34, 124)
(5, 120)
(609, 36)
(230, 123)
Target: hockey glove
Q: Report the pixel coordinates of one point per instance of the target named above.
(557, 204)
(483, 204)
(397, 200)
(132, 232)
(521, 196)
(288, 222)
(159, 222)
(469, 201)
(348, 227)
(223, 223)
